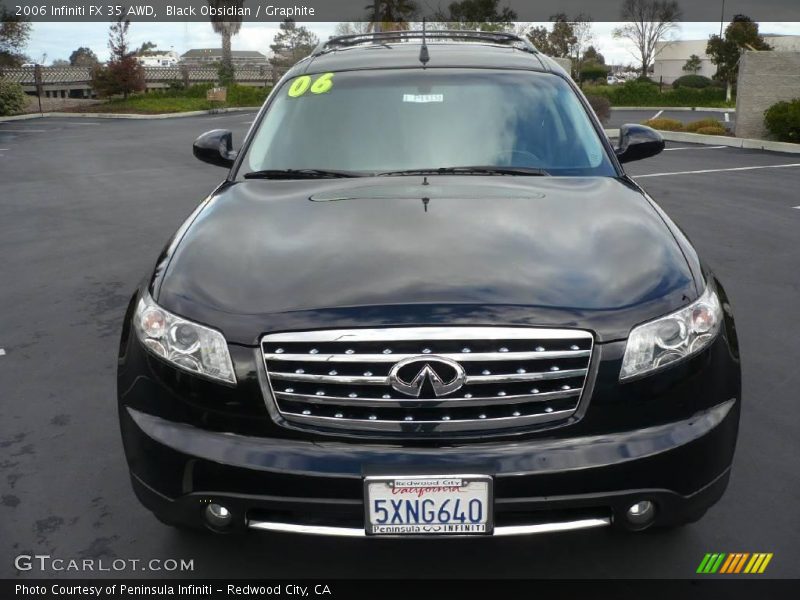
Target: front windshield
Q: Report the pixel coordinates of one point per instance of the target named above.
(380, 121)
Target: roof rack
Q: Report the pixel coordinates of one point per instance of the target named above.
(384, 37)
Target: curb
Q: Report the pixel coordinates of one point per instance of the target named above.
(89, 115)
(675, 108)
(722, 140)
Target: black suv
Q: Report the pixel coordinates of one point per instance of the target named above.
(427, 300)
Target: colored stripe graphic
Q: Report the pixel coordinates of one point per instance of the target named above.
(735, 562)
(711, 563)
(726, 566)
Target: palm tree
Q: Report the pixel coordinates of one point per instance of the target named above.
(390, 15)
(226, 29)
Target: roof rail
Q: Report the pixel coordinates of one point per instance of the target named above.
(384, 37)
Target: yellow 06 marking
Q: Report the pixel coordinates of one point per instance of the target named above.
(302, 84)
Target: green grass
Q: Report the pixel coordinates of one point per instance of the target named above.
(171, 101)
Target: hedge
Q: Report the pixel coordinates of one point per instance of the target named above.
(783, 120)
(639, 93)
(12, 98)
(698, 82)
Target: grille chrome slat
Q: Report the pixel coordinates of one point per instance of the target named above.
(471, 379)
(488, 378)
(404, 402)
(453, 425)
(395, 334)
(460, 356)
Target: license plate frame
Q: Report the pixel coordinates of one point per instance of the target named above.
(482, 488)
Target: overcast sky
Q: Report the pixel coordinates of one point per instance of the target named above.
(58, 40)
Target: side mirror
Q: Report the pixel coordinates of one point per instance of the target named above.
(637, 142)
(215, 147)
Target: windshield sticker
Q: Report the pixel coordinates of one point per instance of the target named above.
(423, 98)
(303, 84)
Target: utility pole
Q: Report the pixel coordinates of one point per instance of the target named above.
(721, 18)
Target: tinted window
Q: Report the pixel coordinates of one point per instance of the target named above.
(375, 121)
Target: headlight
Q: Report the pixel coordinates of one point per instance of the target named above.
(668, 339)
(186, 345)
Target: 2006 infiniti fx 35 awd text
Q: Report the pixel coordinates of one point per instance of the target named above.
(427, 300)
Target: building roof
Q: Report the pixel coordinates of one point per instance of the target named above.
(201, 52)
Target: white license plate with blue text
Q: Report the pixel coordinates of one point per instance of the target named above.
(429, 505)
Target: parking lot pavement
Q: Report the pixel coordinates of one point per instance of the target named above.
(622, 116)
(84, 212)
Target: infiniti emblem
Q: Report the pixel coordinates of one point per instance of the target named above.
(409, 375)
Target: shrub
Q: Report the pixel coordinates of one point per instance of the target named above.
(711, 130)
(601, 106)
(12, 98)
(664, 124)
(692, 81)
(695, 125)
(593, 72)
(783, 120)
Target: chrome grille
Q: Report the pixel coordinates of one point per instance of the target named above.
(511, 377)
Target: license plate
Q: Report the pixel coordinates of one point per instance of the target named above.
(428, 505)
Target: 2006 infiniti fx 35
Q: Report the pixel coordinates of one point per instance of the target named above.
(427, 300)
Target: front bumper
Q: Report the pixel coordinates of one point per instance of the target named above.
(539, 485)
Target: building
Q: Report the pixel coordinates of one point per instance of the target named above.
(671, 56)
(203, 57)
(158, 58)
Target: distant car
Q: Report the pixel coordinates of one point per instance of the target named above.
(428, 300)
(611, 80)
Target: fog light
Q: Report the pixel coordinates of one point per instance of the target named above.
(218, 516)
(641, 513)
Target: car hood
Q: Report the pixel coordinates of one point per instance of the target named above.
(280, 255)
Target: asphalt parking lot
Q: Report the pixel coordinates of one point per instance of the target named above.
(86, 205)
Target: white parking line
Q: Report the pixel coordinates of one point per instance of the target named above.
(727, 117)
(717, 170)
(695, 148)
(658, 114)
(2, 352)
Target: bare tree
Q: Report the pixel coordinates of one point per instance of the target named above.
(647, 22)
(352, 28)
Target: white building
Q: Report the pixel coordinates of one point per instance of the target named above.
(158, 58)
(671, 56)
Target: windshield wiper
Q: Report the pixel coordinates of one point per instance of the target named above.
(488, 170)
(299, 174)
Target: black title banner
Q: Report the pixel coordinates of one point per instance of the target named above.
(361, 10)
(285, 588)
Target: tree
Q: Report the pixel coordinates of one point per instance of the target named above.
(60, 62)
(693, 65)
(226, 30)
(83, 57)
(14, 33)
(147, 48)
(592, 55)
(123, 74)
(540, 37)
(482, 15)
(351, 28)
(291, 44)
(562, 37)
(648, 22)
(390, 15)
(741, 33)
